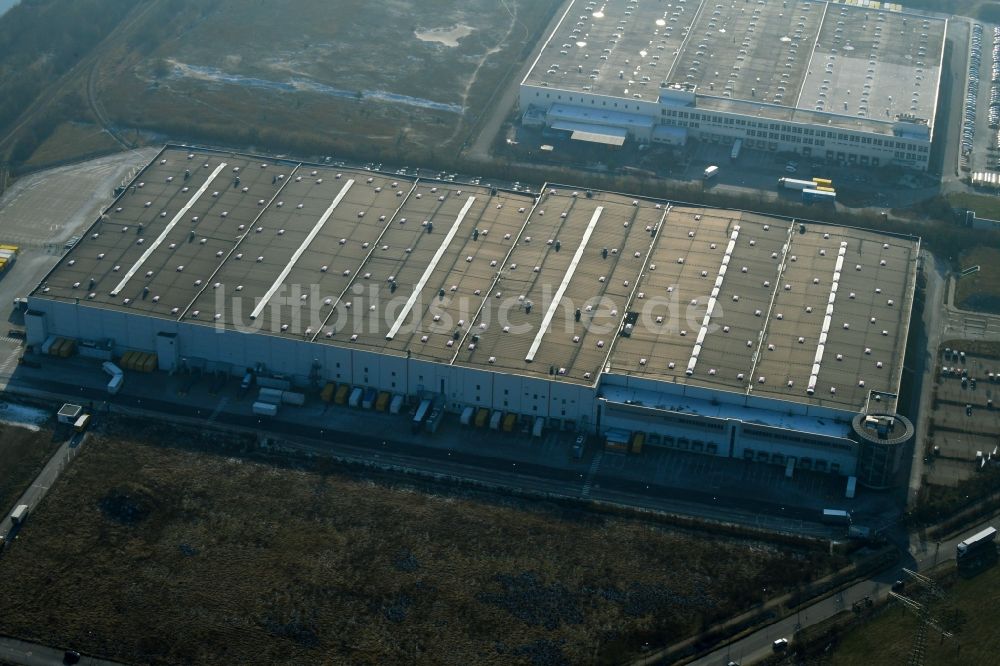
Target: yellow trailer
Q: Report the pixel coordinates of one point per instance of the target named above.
(326, 395)
(68, 348)
(340, 397)
(509, 421)
(135, 361)
(482, 417)
(637, 441)
(8, 255)
(612, 445)
(151, 362)
(617, 440)
(382, 402)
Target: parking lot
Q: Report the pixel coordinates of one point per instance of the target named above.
(754, 173)
(42, 225)
(981, 103)
(965, 423)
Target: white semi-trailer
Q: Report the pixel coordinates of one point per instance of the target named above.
(980, 543)
(795, 184)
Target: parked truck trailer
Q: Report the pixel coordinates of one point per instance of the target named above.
(265, 409)
(19, 514)
(814, 195)
(796, 184)
(980, 543)
(423, 410)
(836, 517)
(117, 377)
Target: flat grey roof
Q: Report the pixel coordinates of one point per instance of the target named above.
(601, 287)
(803, 60)
(619, 48)
(875, 64)
(765, 329)
(566, 286)
(750, 50)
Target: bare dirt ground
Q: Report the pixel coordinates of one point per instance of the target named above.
(156, 554)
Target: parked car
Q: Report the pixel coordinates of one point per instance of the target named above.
(780, 645)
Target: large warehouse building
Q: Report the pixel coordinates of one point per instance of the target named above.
(721, 332)
(849, 83)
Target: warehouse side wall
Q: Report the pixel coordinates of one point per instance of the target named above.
(204, 346)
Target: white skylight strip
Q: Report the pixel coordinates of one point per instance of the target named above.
(302, 248)
(827, 320)
(547, 319)
(723, 267)
(177, 218)
(430, 269)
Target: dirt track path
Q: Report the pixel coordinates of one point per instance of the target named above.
(500, 105)
(89, 64)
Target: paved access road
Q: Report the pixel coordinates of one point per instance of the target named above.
(757, 646)
(23, 653)
(504, 101)
(924, 365)
(36, 491)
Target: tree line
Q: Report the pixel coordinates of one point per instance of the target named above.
(40, 40)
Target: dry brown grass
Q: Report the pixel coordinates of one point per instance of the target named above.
(889, 638)
(163, 555)
(980, 291)
(221, 73)
(72, 140)
(23, 454)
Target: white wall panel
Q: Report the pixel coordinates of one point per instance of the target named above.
(392, 371)
(507, 393)
(427, 377)
(476, 388)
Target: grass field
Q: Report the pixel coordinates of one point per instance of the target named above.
(72, 140)
(986, 206)
(888, 639)
(980, 291)
(150, 554)
(23, 453)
